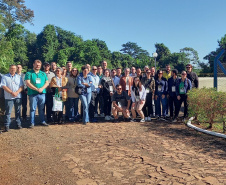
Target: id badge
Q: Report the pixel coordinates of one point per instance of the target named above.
(159, 88)
(127, 87)
(38, 80)
(182, 90)
(173, 89)
(147, 90)
(137, 98)
(119, 104)
(95, 85)
(111, 88)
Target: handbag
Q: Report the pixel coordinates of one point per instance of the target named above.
(80, 90)
(57, 103)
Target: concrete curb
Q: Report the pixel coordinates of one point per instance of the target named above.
(204, 131)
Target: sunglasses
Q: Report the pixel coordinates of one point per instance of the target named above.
(188, 67)
(160, 73)
(74, 70)
(119, 88)
(183, 74)
(94, 69)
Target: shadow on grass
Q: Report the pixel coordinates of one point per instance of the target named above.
(213, 146)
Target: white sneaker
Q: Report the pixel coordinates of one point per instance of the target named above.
(132, 120)
(96, 115)
(102, 115)
(111, 118)
(149, 118)
(107, 118)
(142, 120)
(146, 118)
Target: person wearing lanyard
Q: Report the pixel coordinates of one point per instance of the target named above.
(126, 82)
(100, 98)
(182, 88)
(108, 89)
(149, 84)
(23, 93)
(85, 82)
(49, 97)
(115, 79)
(72, 95)
(58, 86)
(94, 99)
(119, 72)
(192, 76)
(37, 82)
(138, 95)
(12, 84)
(161, 87)
(172, 97)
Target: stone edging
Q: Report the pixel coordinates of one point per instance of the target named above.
(204, 131)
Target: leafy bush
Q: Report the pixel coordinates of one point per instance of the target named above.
(207, 105)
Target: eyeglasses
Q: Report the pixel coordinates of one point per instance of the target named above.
(94, 69)
(160, 73)
(74, 70)
(119, 88)
(188, 67)
(148, 72)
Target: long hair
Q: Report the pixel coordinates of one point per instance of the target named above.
(139, 84)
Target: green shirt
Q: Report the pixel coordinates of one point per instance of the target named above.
(37, 79)
(181, 88)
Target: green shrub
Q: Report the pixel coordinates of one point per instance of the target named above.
(207, 105)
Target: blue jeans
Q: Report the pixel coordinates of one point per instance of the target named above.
(37, 99)
(158, 105)
(85, 99)
(17, 102)
(73, 108)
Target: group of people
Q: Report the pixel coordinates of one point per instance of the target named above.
(102, 92)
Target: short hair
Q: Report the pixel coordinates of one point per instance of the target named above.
(104, 61)
(38, 61)
(19, 65)
(113, 70)
(84, 67)
(126, 69)
(189, 65)
(12, 65)
(167, 65)
(118, 68)
(62, 66)
(146, 67)
(175, 71)
(99, 66)
(53, 62)
(68, 62)
(118, 86)
(138, 68)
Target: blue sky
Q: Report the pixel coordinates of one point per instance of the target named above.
(176, 23)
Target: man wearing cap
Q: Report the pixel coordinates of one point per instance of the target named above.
(49, 97)
(37, 82)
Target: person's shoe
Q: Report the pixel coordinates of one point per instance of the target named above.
(6, 129)
(163, 118)
(111, 118)
(149, 119)
(132, 120)
(19, 127)
(115, 121)
(25, 119)
(45, 124)
(102, 115)
(142, 120)
(96, 115)
(174, 120)
(31, 126)
(146, 118)
(107, 118)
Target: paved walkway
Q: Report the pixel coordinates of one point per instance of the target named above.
(107, 153)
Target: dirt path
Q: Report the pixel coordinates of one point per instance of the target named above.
(108, 153)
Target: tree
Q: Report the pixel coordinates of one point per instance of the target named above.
(102, 46)
(133, 50)
(162, 51)
(15, 10)
(47, 44)
(16, 35)
(191, 55)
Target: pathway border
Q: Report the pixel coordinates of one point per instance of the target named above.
(204, 131)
